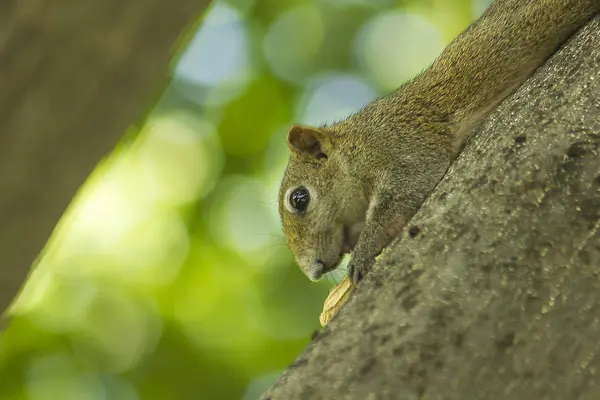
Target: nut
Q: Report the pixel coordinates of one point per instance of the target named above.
(336, 299)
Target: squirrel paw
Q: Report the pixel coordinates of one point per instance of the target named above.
(359, 268)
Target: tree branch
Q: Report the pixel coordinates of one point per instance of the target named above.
(498, 296)
(74, 75)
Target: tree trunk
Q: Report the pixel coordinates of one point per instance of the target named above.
(74, 75)
(496, 292)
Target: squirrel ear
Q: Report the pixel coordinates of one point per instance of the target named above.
(313, 142)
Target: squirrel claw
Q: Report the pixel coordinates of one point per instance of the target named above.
(357, 270)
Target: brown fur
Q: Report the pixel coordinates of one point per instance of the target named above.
(374, 169)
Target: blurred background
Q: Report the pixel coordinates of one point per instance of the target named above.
(168, 277)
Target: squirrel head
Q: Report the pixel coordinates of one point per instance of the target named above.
(322, 210)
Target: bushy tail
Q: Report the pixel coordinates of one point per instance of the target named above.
(488, 61)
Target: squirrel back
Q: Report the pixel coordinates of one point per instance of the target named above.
(353, 185)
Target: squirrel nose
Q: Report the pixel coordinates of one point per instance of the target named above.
(316, 270)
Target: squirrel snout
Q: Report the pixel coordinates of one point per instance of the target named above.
(319, 268)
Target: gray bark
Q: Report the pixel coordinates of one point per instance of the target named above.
(73, 76)
(498, 295)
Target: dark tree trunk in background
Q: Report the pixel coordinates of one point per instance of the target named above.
(498, 296)
(74, 75)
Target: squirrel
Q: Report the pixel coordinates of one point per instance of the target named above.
(352, 186)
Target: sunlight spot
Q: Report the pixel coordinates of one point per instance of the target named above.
(394, 47)
(179, 158)
(240, 217)
(57, 376)
(216, 65)
(333, 97)
(119, 330)
(293, 41)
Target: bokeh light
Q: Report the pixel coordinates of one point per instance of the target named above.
(293, 41)
(239, 217)
(479, 6)
(57, 376)
(415, 44)
(217, 63)
(332, 97)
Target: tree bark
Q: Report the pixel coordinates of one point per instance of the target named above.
(495, 294)
(74, 75)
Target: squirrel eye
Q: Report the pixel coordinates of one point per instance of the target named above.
(299, 199)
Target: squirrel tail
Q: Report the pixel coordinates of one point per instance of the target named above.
(488, 61)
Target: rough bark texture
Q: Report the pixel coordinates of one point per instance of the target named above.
(497, 296)
(73, 76)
